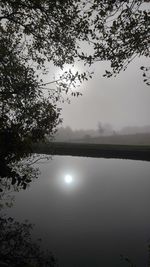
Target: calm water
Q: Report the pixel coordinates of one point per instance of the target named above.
(89, 218)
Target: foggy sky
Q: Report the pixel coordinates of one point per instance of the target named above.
(121, 101)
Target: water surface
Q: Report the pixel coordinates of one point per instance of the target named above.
(100, 212)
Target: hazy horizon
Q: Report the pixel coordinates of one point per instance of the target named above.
(120, 101)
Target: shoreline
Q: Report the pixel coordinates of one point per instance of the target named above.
(94, 150)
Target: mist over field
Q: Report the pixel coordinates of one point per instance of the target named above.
(106, 134)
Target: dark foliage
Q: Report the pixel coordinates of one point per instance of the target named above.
(17, 248)
(118, 32)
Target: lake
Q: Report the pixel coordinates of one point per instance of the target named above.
(88, 211)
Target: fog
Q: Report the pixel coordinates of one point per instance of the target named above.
(120, 101)
(103, 130)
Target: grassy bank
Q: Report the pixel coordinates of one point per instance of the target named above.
(94, 150)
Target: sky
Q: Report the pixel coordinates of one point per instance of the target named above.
(119, 101)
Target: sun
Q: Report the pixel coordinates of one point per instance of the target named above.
(72, 68)
(68, 76)
(68, 179)
(69, 70)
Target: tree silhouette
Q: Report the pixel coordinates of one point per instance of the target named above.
(35, 32)
(118, 32)
(17, 248)
(18, 174)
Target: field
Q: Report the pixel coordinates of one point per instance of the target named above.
(94, 150)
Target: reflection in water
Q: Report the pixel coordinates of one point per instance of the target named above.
(68, 179)
(17, 175)
(102, 214)
(17, 248)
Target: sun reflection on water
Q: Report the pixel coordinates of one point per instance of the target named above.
(68, 179)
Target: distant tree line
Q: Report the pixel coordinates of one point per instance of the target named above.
(103, 129)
